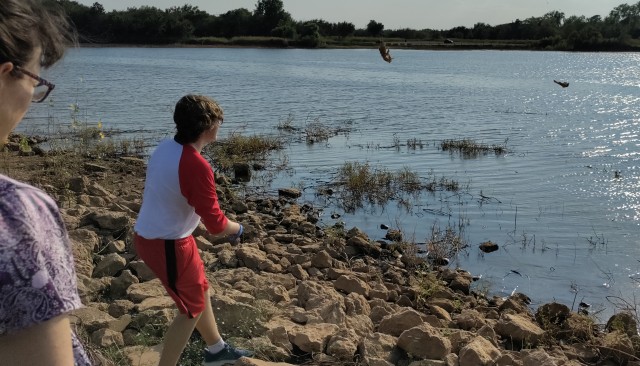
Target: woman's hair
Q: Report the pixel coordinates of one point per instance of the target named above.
(193, 115)
(27, 24)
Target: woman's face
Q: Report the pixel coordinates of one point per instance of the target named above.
(16, 92)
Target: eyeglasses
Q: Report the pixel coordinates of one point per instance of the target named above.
(42, 89)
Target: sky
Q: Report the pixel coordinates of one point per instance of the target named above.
(415, 14)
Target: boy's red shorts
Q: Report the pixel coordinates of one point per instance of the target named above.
(179, 267)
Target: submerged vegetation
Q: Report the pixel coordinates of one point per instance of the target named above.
(359, 183)
(242, 149)
(470, 149)
(312, 132)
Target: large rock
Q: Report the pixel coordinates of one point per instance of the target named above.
(79, 184)
(140, 291)
(379, 349)
(274, 293)
(279, 336)
(539, 358)
(106, 337)
(256, 259)
(119, 307)
(322, 259)
(95, 189)
(361, 245)
(397, 323)
(83, 244)
(458, 280)
(240, 319)
(142, 356)
(143, 272)
(203, 244)
(356, 304)
(519, 328)
(343, 345)
(91, 288)
(424, 341)
(110, 265)
(578, 326)
(378, 313)
(552, 315)
(313, 295)
(470, 319)
(349, 284)
(313, 338)
(120, 324)
(155, 303)
(110, 220)
(298, 272)
(624, 322)
(479, 352)
(120, 284)
(332, 313)
(361, 324)
(618, 347)
(90, 318)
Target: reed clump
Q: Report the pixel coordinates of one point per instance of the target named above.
(443, 183)
(414, 144)
(316, 132)
(287, 124)
(470, 149)
(444, 243)
(238, 148)
(359, 183)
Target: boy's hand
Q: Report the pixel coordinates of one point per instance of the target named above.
(236, 238)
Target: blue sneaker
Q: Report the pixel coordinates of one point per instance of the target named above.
(227, 356)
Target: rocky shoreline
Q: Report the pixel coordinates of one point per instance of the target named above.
(297, 293)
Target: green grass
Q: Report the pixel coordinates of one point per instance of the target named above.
(425, 284)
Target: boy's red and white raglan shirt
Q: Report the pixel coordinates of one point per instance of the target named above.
(179, 191)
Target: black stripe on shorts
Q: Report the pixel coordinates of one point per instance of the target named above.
(172, 268)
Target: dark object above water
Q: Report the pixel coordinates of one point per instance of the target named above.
(488, 246)
(563, 84)
(289, 192)
(384, 52)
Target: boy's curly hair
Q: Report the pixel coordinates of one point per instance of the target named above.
(193, 115)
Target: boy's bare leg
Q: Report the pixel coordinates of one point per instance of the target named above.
(206, 325)
(176, 339)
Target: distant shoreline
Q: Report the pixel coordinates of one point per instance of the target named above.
(409, 45)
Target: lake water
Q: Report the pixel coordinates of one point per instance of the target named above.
(567, 226)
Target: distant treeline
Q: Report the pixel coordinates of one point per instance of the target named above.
(271, 25)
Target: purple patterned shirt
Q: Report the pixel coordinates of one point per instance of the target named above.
(37, 273)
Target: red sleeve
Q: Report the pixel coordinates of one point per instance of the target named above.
(199, 188)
